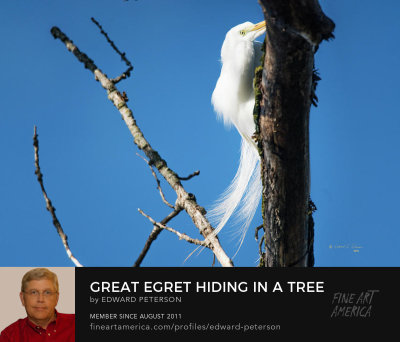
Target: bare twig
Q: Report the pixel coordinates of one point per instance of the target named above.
(158, 182)
(257, 230)
(196, 173)
(153, 235)
(184, 199)
(181, 236)
(260, 243)
(49, 205)
(127, 73)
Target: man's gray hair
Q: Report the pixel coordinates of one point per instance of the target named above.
(38, 274)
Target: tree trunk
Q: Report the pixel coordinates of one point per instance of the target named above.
(295, 28)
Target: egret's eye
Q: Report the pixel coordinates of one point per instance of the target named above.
(242, 32)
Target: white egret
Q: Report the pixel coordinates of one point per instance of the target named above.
(233, 100)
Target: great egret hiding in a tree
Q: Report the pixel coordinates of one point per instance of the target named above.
(233, 100)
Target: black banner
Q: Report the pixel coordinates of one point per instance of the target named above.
(123, 303)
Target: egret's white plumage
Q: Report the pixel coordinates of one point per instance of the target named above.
(233, 101)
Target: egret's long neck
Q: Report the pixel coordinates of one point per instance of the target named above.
(233, 96)
(242, 65)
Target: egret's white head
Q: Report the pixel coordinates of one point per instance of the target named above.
(246, 31)
(249, 31)
(241, 34)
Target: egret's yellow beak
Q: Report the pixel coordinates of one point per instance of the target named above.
(259, 26)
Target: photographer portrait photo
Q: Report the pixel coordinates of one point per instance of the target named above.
(37, 301)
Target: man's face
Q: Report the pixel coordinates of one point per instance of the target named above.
(40, 299)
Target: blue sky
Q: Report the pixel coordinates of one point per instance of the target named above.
(91, 170)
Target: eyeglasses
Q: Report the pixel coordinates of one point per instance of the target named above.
(36, 293)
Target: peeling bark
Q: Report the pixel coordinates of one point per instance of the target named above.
(295, 28)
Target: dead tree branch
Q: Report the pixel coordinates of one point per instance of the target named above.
(153, 235)
(158, 182)
(180, 235)
(127, 73)
(49, 205)
(184, 200)
(194, 174)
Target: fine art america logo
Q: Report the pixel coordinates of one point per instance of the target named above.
(353, 304)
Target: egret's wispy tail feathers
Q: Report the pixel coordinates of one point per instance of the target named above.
(243, 193)
(250, 202)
